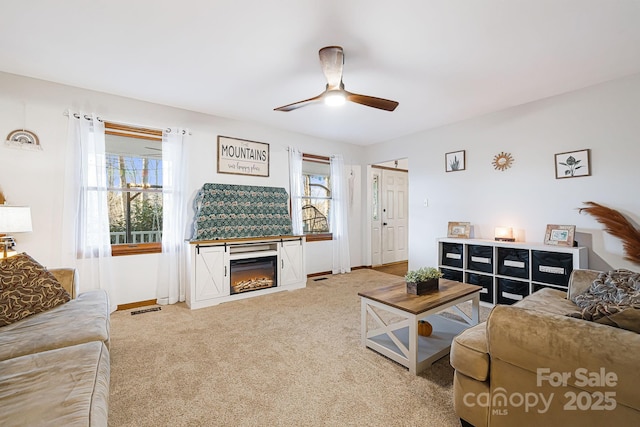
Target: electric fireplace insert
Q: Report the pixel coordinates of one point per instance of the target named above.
(251, 274)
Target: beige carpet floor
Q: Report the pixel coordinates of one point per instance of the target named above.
(285, 359)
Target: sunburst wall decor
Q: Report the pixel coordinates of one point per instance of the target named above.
(502, 161)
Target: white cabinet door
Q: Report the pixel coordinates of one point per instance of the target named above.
(291, 263)
(211, 276)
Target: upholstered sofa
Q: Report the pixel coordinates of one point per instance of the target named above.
(54, 365)
(531, 364)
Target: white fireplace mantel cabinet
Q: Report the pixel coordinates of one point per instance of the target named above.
(212, 261)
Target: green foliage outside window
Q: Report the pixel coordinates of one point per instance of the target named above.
(134, 180)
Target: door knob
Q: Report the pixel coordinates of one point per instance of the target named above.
(384, 223)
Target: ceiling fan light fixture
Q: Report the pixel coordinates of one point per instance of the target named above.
(332, 61)
(335, 98)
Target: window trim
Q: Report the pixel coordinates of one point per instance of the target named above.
(136, 249)
(315, 158)
(118, 129)
(318, 237)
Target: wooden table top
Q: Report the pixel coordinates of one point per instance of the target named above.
(396, 295)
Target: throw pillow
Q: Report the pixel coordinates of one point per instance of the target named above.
(27, 288)
(612, 299)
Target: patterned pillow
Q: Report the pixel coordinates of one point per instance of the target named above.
(613, 299)
(27, 288)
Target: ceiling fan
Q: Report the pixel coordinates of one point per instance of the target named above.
(332, 61)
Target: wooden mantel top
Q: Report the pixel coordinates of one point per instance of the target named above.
(396, 295)
(245, 239)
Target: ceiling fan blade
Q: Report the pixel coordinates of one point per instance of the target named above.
(372, 101)
(299, 104)
(332, 62)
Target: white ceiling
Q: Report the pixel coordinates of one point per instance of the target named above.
(442, 60)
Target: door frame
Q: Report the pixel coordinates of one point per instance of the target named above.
(375, 241)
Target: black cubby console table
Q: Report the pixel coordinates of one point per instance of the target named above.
(508, 271)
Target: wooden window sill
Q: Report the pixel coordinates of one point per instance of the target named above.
(318, 237)
(136, 249)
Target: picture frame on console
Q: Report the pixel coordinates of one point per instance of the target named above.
(460, 230)
(560, 235)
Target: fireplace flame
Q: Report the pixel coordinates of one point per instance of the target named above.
(252, 284)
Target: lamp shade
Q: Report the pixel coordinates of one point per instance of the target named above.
(504, 234)
(15, 219)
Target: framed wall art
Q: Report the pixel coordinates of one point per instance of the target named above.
(459, 229)
(573, 164)
(560, 235)
(242, 157)
(454, 161)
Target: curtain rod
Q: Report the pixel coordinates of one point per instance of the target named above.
(100, 119)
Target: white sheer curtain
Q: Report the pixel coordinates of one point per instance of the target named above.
(296, 188)
(86, 240)
(172, 274)
(339, 216)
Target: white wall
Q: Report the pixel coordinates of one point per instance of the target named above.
(526, 197)
(36, 178)
(603, 118)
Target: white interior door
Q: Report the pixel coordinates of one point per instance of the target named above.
(394, 202)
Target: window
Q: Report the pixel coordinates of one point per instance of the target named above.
(316, 201)
(134, 180)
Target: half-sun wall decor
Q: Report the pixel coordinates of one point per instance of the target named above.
(618, 226)
(22, 138)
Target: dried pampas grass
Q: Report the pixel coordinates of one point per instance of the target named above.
(619, 226)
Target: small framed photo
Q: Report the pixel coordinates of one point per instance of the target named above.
(573, 164)
(560, 235)
(454, 161)
(459, 229)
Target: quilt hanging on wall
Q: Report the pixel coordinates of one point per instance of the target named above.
(226, 211)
